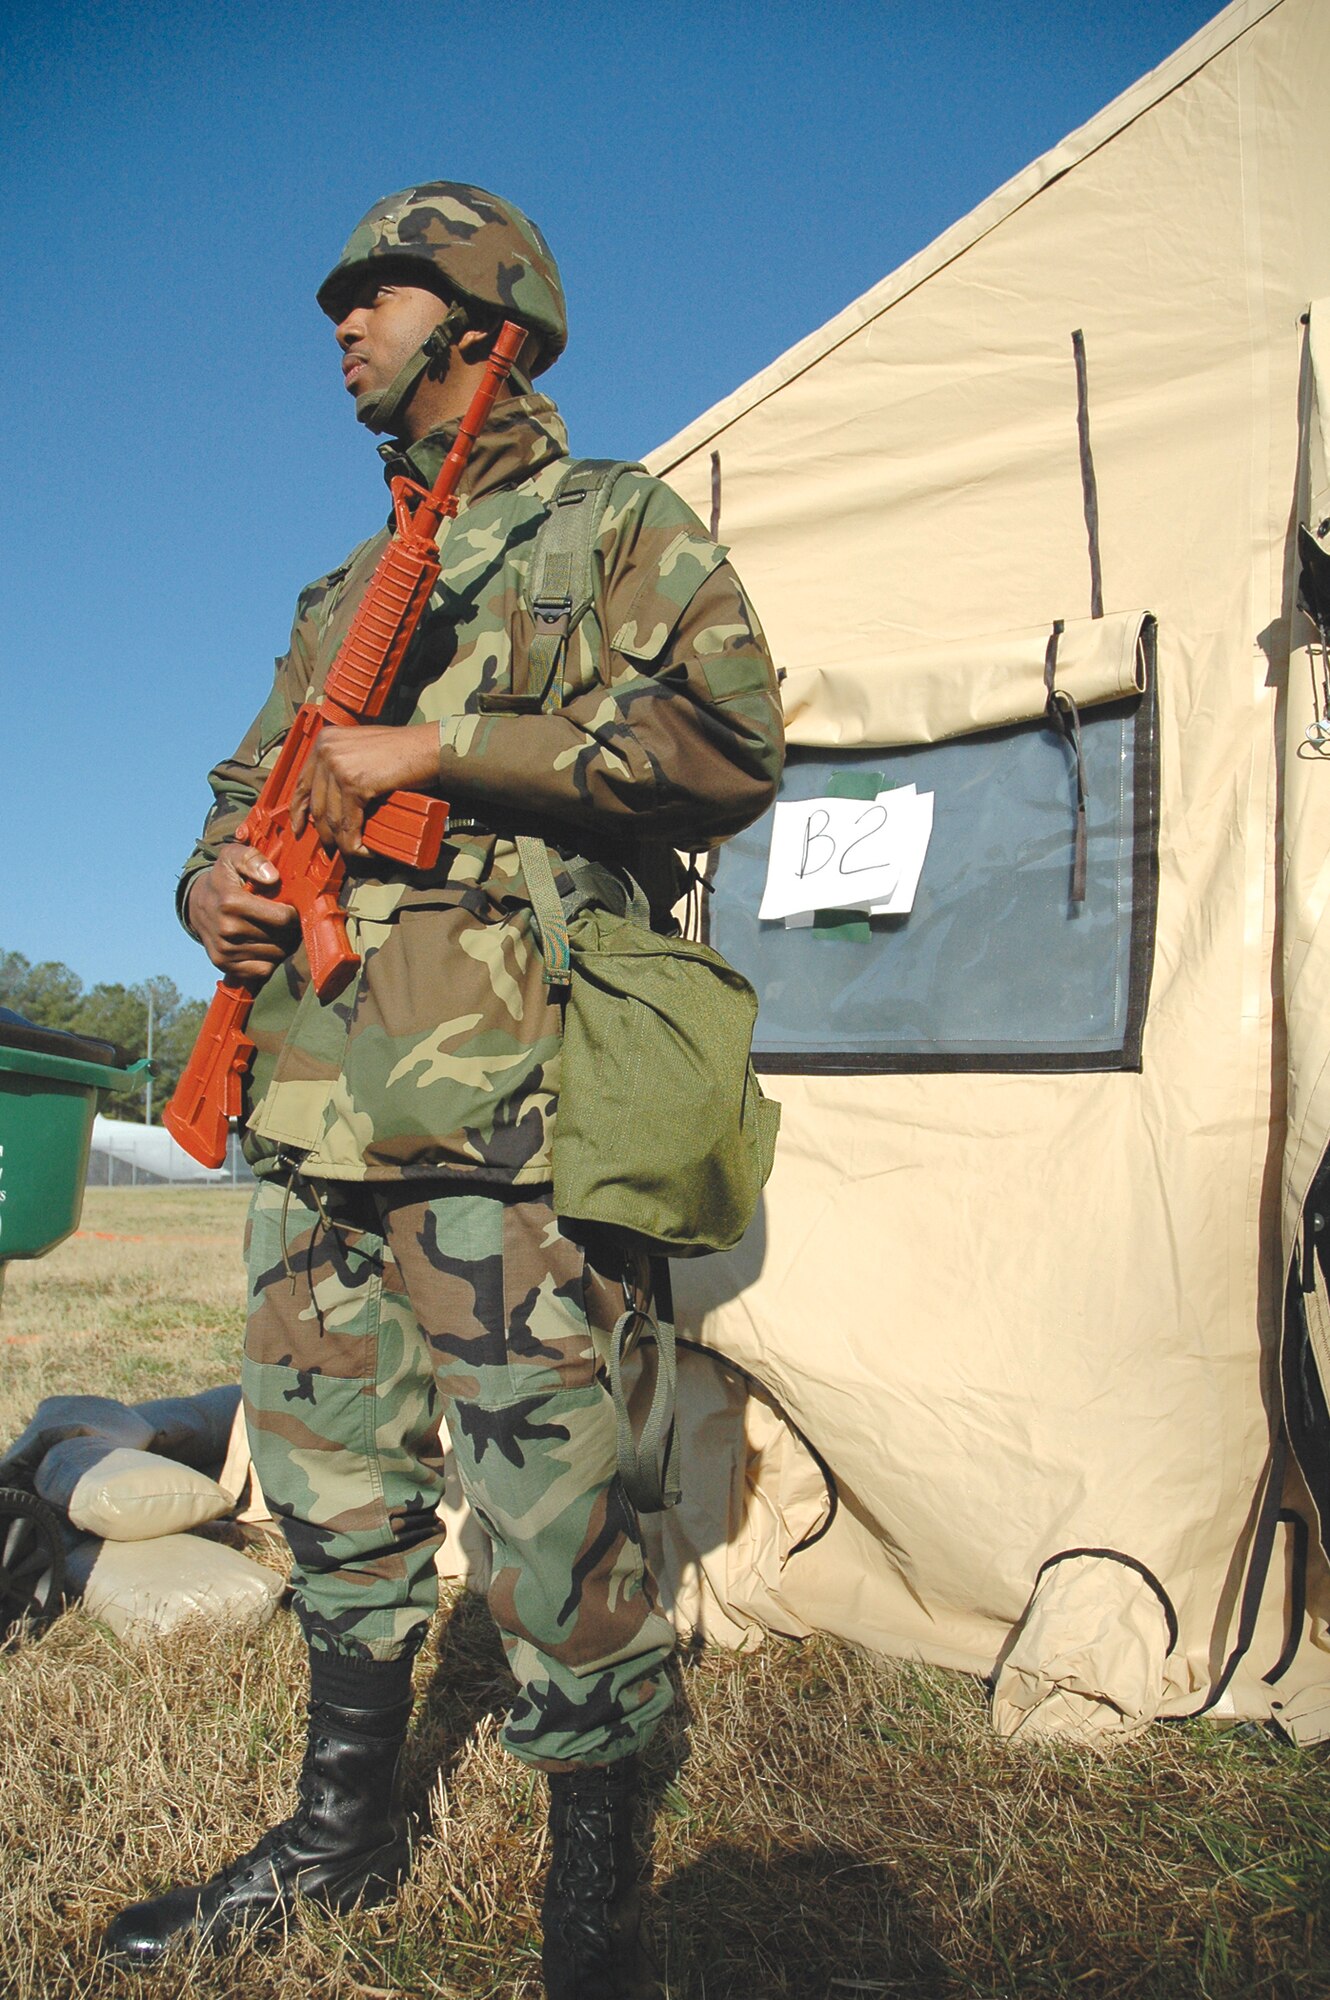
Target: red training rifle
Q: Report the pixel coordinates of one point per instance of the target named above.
(407, 828)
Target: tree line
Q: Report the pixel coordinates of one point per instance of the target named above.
(51, 995)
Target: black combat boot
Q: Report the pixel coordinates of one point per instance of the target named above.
(593, 1950)
(342, 1845)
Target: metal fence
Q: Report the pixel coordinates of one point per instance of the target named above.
(125, 1155)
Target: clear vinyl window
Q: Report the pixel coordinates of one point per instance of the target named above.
(995, 967)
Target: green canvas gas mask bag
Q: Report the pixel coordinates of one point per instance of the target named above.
(662, 1129)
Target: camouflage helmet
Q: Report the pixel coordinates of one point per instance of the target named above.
(484, 249)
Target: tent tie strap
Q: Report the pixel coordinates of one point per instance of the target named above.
(1066, 718)
(1089, 485)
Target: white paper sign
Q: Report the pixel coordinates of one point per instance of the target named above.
(831, 854)
(805, 919)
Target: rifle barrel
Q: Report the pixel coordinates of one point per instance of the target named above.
(503, 354)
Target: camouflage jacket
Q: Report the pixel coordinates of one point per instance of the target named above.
(441, 1059)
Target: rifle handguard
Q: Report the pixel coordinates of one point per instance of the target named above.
(408, 828)
(382, 629)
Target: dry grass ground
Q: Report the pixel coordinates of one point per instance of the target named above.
(146, 1300)
(823, 1825)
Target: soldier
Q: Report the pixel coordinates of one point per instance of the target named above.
(405, 1262)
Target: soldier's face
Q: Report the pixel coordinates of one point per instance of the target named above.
(382, 329)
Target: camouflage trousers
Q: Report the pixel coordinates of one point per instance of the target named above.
(374, 1317)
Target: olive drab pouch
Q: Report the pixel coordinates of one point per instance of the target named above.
(662, 1130)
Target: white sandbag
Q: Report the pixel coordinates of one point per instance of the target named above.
(142, 1589)
(126, 1495)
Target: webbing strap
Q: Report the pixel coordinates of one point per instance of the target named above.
(648, 1466)
(1089, 486)
(547, 908)
(562, 575)
(1066, 717)
(592, 883)
(1258, 1568)
(561, 583)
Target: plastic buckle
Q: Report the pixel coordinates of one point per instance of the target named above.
(552, 615)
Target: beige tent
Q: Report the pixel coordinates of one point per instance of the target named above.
(1019, 1276)
(994, 1380)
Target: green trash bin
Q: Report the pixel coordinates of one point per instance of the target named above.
(50, 1084)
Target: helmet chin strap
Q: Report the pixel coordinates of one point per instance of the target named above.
(380, 412)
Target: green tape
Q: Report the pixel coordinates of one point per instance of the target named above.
(839, 926)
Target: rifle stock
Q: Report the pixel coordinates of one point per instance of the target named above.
(407, 827)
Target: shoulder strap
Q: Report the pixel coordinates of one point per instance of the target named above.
(561, 582)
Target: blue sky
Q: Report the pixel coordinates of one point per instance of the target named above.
(716, 180)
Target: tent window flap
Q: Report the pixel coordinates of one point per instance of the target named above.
(957, 687)
(995, 967)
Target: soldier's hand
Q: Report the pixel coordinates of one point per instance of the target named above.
(348, 769)
(243, 930)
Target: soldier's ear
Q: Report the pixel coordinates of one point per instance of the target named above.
(474, 345)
